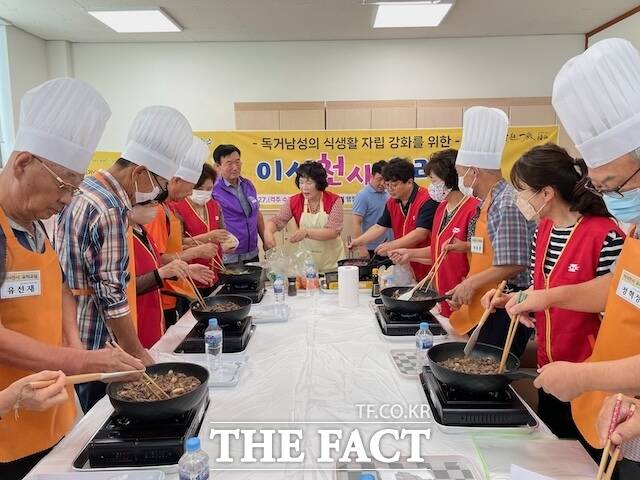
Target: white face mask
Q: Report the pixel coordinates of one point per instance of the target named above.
(200, 197)
(142, 214)
(527, 210)
(142, 197)
(438, 192)
(466, 191)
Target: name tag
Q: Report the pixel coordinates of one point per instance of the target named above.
(629, 288)
(21, 284)
(477, 245)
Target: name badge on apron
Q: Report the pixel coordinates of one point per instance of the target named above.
(21, 284)
(629, 288)
(477, 245)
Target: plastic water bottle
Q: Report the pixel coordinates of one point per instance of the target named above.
(311, 277)
(424, 341)
(194, 464)
(278, 288)
(213, 346)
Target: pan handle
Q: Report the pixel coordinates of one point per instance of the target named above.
(522, 374)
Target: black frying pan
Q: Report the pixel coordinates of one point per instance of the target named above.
(235, 274)
(474, 382)
(364, 266)
(160, 409)
(224, 318)
(409, 306)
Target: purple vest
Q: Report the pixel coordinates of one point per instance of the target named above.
(244, 227)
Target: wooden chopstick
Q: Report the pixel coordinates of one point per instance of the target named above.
(152, 386)
(617, 451)
(82, 378)
(213, 259)
(511, 333)
(436, 265)
(197, 292)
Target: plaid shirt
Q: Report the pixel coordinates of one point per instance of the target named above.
(91, 241)
(509, 232)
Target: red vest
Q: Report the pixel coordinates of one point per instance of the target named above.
(296, 202)
(402, 225)
(562, 334)
(194, 226)
(149, 305)
(455, 266)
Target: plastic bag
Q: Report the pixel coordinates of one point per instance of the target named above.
(395, 276)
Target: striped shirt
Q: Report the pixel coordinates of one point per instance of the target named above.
(611, 248)
(509, 232)
(91, 241)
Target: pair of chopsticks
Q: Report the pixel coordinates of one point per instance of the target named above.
(429, 278)
(606, 471)
(439, 260)
(511, 333)
(82, 378)
(473, 339)
(214, 261)
(148, 381)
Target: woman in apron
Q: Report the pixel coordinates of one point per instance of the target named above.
(202, 221)
(318, 215)
(452, 219)
(576, 241)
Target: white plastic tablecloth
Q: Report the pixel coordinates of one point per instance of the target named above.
(315, 368)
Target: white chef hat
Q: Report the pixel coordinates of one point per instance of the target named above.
(62, 120)
(484, 133)
(158, 138)
(597, 98)
(191, 164)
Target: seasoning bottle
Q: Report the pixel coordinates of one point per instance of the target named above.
(375, 283)
(292, 290)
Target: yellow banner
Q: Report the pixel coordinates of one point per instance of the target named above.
(270, 158)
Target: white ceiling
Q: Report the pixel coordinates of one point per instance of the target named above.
(279, 20)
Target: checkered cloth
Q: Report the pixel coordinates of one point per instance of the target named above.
(440, 470)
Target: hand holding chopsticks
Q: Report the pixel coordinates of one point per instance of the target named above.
(148, 381)
(430, 276)
(609, 459)
(214, 261)
(511, 333)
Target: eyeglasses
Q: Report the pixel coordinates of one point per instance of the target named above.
(614, 193)
(392, 185)
(62, 185)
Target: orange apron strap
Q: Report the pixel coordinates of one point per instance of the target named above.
(131, 287)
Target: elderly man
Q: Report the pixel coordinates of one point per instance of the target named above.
(61, 122)
(93, 238)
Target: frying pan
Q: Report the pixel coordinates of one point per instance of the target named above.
(161, 409)
(409, 306)
(365, 271)
(224, 318)
(231, 274)
(471, 381)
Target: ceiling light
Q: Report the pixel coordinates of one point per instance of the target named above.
(394, 14)
(137, 21)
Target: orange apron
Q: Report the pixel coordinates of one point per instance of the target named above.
(168, 239)
(480, 258)
(38, 317)
(618, 337)
(131, 286)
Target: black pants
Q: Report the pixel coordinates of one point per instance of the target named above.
(89, 394)
(494, 332)
(18, 469)
(243, 262)
(556, 414)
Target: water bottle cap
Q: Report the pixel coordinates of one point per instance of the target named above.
(424, 326)
(213, 322)
(193, 444)
(367, 476)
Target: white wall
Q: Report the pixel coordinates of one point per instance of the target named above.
(629, 28)
(203, 80)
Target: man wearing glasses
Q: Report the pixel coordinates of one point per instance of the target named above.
(93, 238)
(408, 214)
(61, 122)
(597, 97)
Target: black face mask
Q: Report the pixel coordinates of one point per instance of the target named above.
(164, 194)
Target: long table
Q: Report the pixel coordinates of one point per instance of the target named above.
(312, 372)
